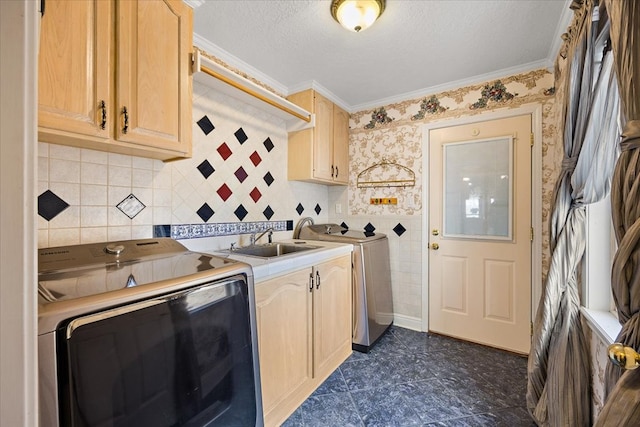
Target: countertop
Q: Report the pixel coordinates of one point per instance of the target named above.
(267, 268)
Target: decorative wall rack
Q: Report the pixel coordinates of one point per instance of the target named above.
(398, 176)
(215, 76)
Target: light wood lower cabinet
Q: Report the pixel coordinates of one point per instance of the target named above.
(304, 333)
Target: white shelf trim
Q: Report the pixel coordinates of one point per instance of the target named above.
(215, 76)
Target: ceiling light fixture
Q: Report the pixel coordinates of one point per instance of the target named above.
(356, 15)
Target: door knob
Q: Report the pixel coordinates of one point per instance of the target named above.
(624, 357)
(435, 246)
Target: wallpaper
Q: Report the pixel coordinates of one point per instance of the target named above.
(599, 363)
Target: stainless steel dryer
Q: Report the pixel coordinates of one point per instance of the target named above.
(372, 298)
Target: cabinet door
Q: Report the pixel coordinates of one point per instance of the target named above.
(74, 64)
(323, 138)
(340, 145)
(283, 312)
(154, 41)
(331, 315)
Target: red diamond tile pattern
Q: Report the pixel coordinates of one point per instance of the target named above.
(224, 192)
(224, 151)
(255, 194)
(255, 158)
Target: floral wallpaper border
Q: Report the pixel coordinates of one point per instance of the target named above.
(510, 91)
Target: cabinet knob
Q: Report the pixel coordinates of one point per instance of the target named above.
(336, 171)
(331, 171)
(317, 279)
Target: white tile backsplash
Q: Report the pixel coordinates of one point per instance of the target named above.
(119, 233)
(93, 216)
(93, 156)
(120, 160)
(142, 178)
(69, 192)
(93, 195)
(64, 236)
(61, 170)
(64, 152)
(92, 173)
(93, 234)
(120, 175)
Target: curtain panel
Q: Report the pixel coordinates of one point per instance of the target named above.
(622, 407)
(559, 381)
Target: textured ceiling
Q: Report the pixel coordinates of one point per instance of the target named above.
(415, 48)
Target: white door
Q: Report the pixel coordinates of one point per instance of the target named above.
(480, 232)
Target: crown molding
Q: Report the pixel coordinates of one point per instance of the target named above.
(235, 62)
(563, 24)
(244, 67)
(312, 84)
(536, 65)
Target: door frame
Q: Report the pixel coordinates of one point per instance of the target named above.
(535, 110)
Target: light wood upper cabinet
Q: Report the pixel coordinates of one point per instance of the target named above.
(320, 154)
(304, 333)
(341, 145)
(114, 76)
(74, 66)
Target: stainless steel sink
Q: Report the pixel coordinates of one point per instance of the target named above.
(271, 250)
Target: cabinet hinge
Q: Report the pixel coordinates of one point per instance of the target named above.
(531, 328)
(531, 236)
(531, 139)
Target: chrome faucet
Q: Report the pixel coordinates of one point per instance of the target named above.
(300, 224)
(253, 239)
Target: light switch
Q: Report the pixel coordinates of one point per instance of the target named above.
(338, 208)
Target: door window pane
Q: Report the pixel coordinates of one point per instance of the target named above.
(478, 180)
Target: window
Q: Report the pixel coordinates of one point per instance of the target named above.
(597, 300)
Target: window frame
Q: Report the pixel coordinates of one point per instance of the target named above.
(597, 302)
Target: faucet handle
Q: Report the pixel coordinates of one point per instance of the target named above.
(232, 247)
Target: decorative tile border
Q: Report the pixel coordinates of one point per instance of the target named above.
(194, 231)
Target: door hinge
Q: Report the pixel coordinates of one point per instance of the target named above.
(531, 140)
(531, 236)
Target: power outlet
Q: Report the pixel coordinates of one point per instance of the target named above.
(338, 208)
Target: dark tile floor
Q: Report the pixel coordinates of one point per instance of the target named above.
(417, 379)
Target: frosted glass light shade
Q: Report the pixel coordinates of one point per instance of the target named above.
(356, 15)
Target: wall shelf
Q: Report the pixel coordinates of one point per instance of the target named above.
(223, 80)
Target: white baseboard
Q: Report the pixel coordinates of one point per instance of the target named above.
(408, 322)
